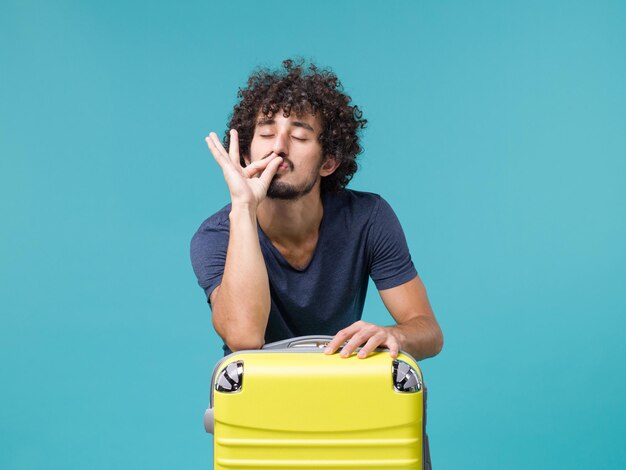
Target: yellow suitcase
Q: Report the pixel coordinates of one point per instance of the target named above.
(290, 406)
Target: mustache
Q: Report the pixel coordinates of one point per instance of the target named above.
(284, 157)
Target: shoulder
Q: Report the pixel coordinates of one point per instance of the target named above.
(216, 221)
(356, 202)
(212, 226)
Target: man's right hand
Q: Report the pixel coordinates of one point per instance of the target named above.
(246, 188)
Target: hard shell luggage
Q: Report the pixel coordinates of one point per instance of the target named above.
(290, 406)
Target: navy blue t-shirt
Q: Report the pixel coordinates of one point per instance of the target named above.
(359, 236)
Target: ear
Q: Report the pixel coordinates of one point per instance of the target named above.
(329, 166)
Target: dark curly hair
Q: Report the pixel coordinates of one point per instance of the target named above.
(295, 89)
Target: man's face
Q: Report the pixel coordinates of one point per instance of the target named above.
(295, 138)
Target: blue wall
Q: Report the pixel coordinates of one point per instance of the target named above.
(496, 131)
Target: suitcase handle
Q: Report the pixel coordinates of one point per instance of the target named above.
(311, 341)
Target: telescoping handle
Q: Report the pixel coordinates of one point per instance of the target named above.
(312, 341)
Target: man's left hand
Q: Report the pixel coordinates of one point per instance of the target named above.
(362, 332)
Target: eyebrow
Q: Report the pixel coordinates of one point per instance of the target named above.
(267, 122)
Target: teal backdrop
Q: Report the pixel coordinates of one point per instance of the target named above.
(497, 131)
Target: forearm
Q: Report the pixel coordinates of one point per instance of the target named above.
(242, 304)
(420, 336)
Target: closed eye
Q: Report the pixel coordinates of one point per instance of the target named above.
(299, 138)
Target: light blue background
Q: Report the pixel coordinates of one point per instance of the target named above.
(497, 131)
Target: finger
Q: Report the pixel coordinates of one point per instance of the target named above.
(256, 167)
(214, 147)
(217, 155)
(270, 171)
(218, 145)
(366, 331)
(356, 340)
(394, 348)
(392, 342)
(340, 338)
(370, 346)
(343, 335)
(233, 150)
(332, 345)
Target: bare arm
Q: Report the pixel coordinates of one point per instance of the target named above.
(417, 331)
(241, 303)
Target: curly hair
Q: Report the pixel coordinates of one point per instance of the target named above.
(295, 89)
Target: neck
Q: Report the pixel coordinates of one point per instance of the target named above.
(291, 222)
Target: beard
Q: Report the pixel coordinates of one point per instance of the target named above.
(290, 192)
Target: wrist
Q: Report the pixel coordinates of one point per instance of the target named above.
(238, 209)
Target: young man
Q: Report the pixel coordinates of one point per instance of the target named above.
(292, 254)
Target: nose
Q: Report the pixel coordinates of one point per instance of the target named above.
(280, 146)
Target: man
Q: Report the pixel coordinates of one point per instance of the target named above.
(292, 254)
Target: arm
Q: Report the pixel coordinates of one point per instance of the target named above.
(417, 331)
(241, 303)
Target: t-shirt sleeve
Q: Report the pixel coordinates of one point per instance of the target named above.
(208, 255)
(390, 262)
